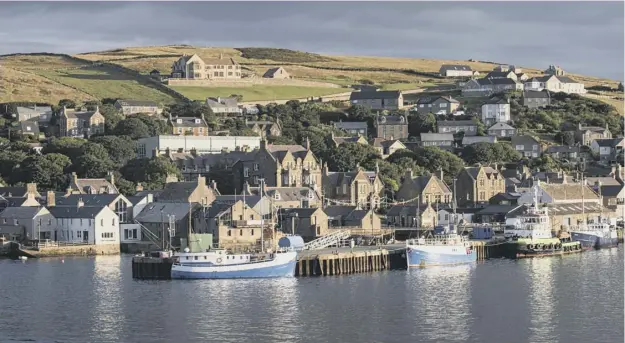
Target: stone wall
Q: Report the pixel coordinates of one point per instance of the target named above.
(325, 98)
(249, 82)
(97, 249)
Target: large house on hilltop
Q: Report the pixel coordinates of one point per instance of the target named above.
(455, 70)
(195, 68)
(137, 106)
(391, 127)
(81, 124)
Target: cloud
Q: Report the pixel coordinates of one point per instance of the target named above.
(583, 37)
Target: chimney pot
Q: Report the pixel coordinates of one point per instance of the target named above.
(50, 199)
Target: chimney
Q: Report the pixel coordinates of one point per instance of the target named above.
(377, 168)
(221, 56)
(171, 178)
(409, 174)
(80, 203)
(110, 177)
(442, 174)
(31, 188)
(307, 143)
(214, 185)
(50, 199)
(263, 144)
(201, 180)
(139, 187)
(75, 178)
(97, 108)
(155, 152)
(246, 188)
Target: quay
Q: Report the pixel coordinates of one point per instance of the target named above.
(327, 261)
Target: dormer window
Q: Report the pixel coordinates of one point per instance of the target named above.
(197, 121)
(179, 121)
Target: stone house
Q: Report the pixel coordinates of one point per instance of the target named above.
(276, 73)
(263, 205)
(501, 130)
(128, 107)
(497, 213)
(527, 146)
(195, 68)
(536, 99)
(554, 70)
(378, 100)
(412, 216)
(476, 185)
(234, 226)
(496, 110)
(391, 127)
(487, 87)
(288, 197)
(564, 153)
(81, 124)
(26, 223)
(445, 216)
(440, 140)
(188, 126)
(279, 166)
(357, 220)
(352, 139)
(225, 105)
(310, 223)
(456, 70)
(563, 216)
(163, 222)
(469, 127)
(386, 147)
(356, 188)
(265, 128)
(188, 192)
(38, 114)
(92, 186)
(442, 105)
(587, 134)
(423, 190)
(29, 127)
(607, 148)
(353, 128)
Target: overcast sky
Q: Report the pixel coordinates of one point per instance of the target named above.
(582, 37)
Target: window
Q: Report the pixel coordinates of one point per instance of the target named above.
(421, 105)
(229, 73)
(179, 130)
(252, 232)
(443, 105)
(481, 182)
(240, 232)
(229, 233)
(113, 221)
(78, 234)
(255, 181)
(535, 147)
(246, 172)
(201, 130)
(255, 166)
(519, 147)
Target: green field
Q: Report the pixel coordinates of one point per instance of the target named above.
(257, 92)
(102, 82)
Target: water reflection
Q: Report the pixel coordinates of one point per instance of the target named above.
(440, 301)
(106, 281)
(542, 303)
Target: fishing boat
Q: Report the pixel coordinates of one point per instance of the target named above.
(531, 235)
(439, 250)
(221, 264)
(594, 235)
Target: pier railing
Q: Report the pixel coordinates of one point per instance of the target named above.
(328, 240)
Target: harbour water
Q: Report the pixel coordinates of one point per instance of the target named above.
(575, 298)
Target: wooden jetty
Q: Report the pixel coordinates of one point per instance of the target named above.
(341, 261)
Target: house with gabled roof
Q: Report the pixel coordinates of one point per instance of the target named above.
(442, 105)
(587, 134)
(412, 216)
(501, 75)
(555, 84)
(81, 123)
(188, 192)
(224, 105)
(195, 68)
(478, 139)
(264, 128)
(496, 110)
(386, 147)
(310, 223)
(423, 189)
(391, 127)
(501, 130)
(469, 127)
(476, 185)
(486, 87)
(26, 223)
(87, 225)
(276, 73)
(354, 188)
(188, 126)
(527, 146)
(286, 197)
(439, 140)
(536, 99)
(359, 221)
(169, 219)
(456, 70)
(234, 225)
(38, 114)
(351, 139)
(92, 186)
(607, 148)
(378, 100)
(354, 128)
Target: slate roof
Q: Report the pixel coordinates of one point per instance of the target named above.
(566, 79)
(524, 140)
(220, 61)
(151, 213)
(431, 99)
(575, 208)
(291, 193)
(134, 199)
(188, 122)
(473, 171)
(143, 103)
(339, 178)
(351, 139)
(33, 111)
(250, 200)
(374, 95)
(222, 102)
(500, 209)
(15, 201)
(25, 212)
(605, 180)
(301, 212)
(75, 212)
(97, 184)
(398, 210)
(384, 143)
(217, 209)
(84, 115)
(446, 67)
(29, 126)
(97, 200)
(504, 81)
(271, 72)
(338, 211)
(177, 191)
(430, 137)
(498, 74)
(14, 191)
(501, 126)
(611, 191)
(155, 193)
(468, 140)
(453, 123)
(356, 215)
(351, 125)
(392, 120)
(423, 180)
(536, 94)
(497, 101)
(608, 142)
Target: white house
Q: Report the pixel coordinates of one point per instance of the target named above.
(463, 216)
(555, 84)
(87, 225)
(607, 148)
(495, 111)
(131, 232)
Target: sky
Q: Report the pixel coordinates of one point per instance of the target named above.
(582, 37)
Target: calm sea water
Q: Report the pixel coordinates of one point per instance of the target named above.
(570, 299)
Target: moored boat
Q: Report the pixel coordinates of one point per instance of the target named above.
(219, 264)
(439, 250)
(595, 236)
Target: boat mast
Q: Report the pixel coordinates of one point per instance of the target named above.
(455, 206)
(583, 207)
(262, 221)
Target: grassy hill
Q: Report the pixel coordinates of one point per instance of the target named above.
(49, 77)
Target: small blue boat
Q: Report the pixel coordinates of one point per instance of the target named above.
(595, 236)
(439, 250)
(219, 264)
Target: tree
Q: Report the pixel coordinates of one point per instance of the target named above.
(620, 87)
(155, 126)
(9, 162)
(237, 96)
(124, 186)
(280, 140)
(68, 146)
(67, 103)
(487, 153)
(133, 128)
(90, 166)
(150, 172)
(565, 138)
(421, 123)
(120, 149)
(111, 117)
(481, 129)
(346, 156)
(433, 160)
(47, 171)
(191, 109)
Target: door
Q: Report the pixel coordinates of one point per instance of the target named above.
(85, 236)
